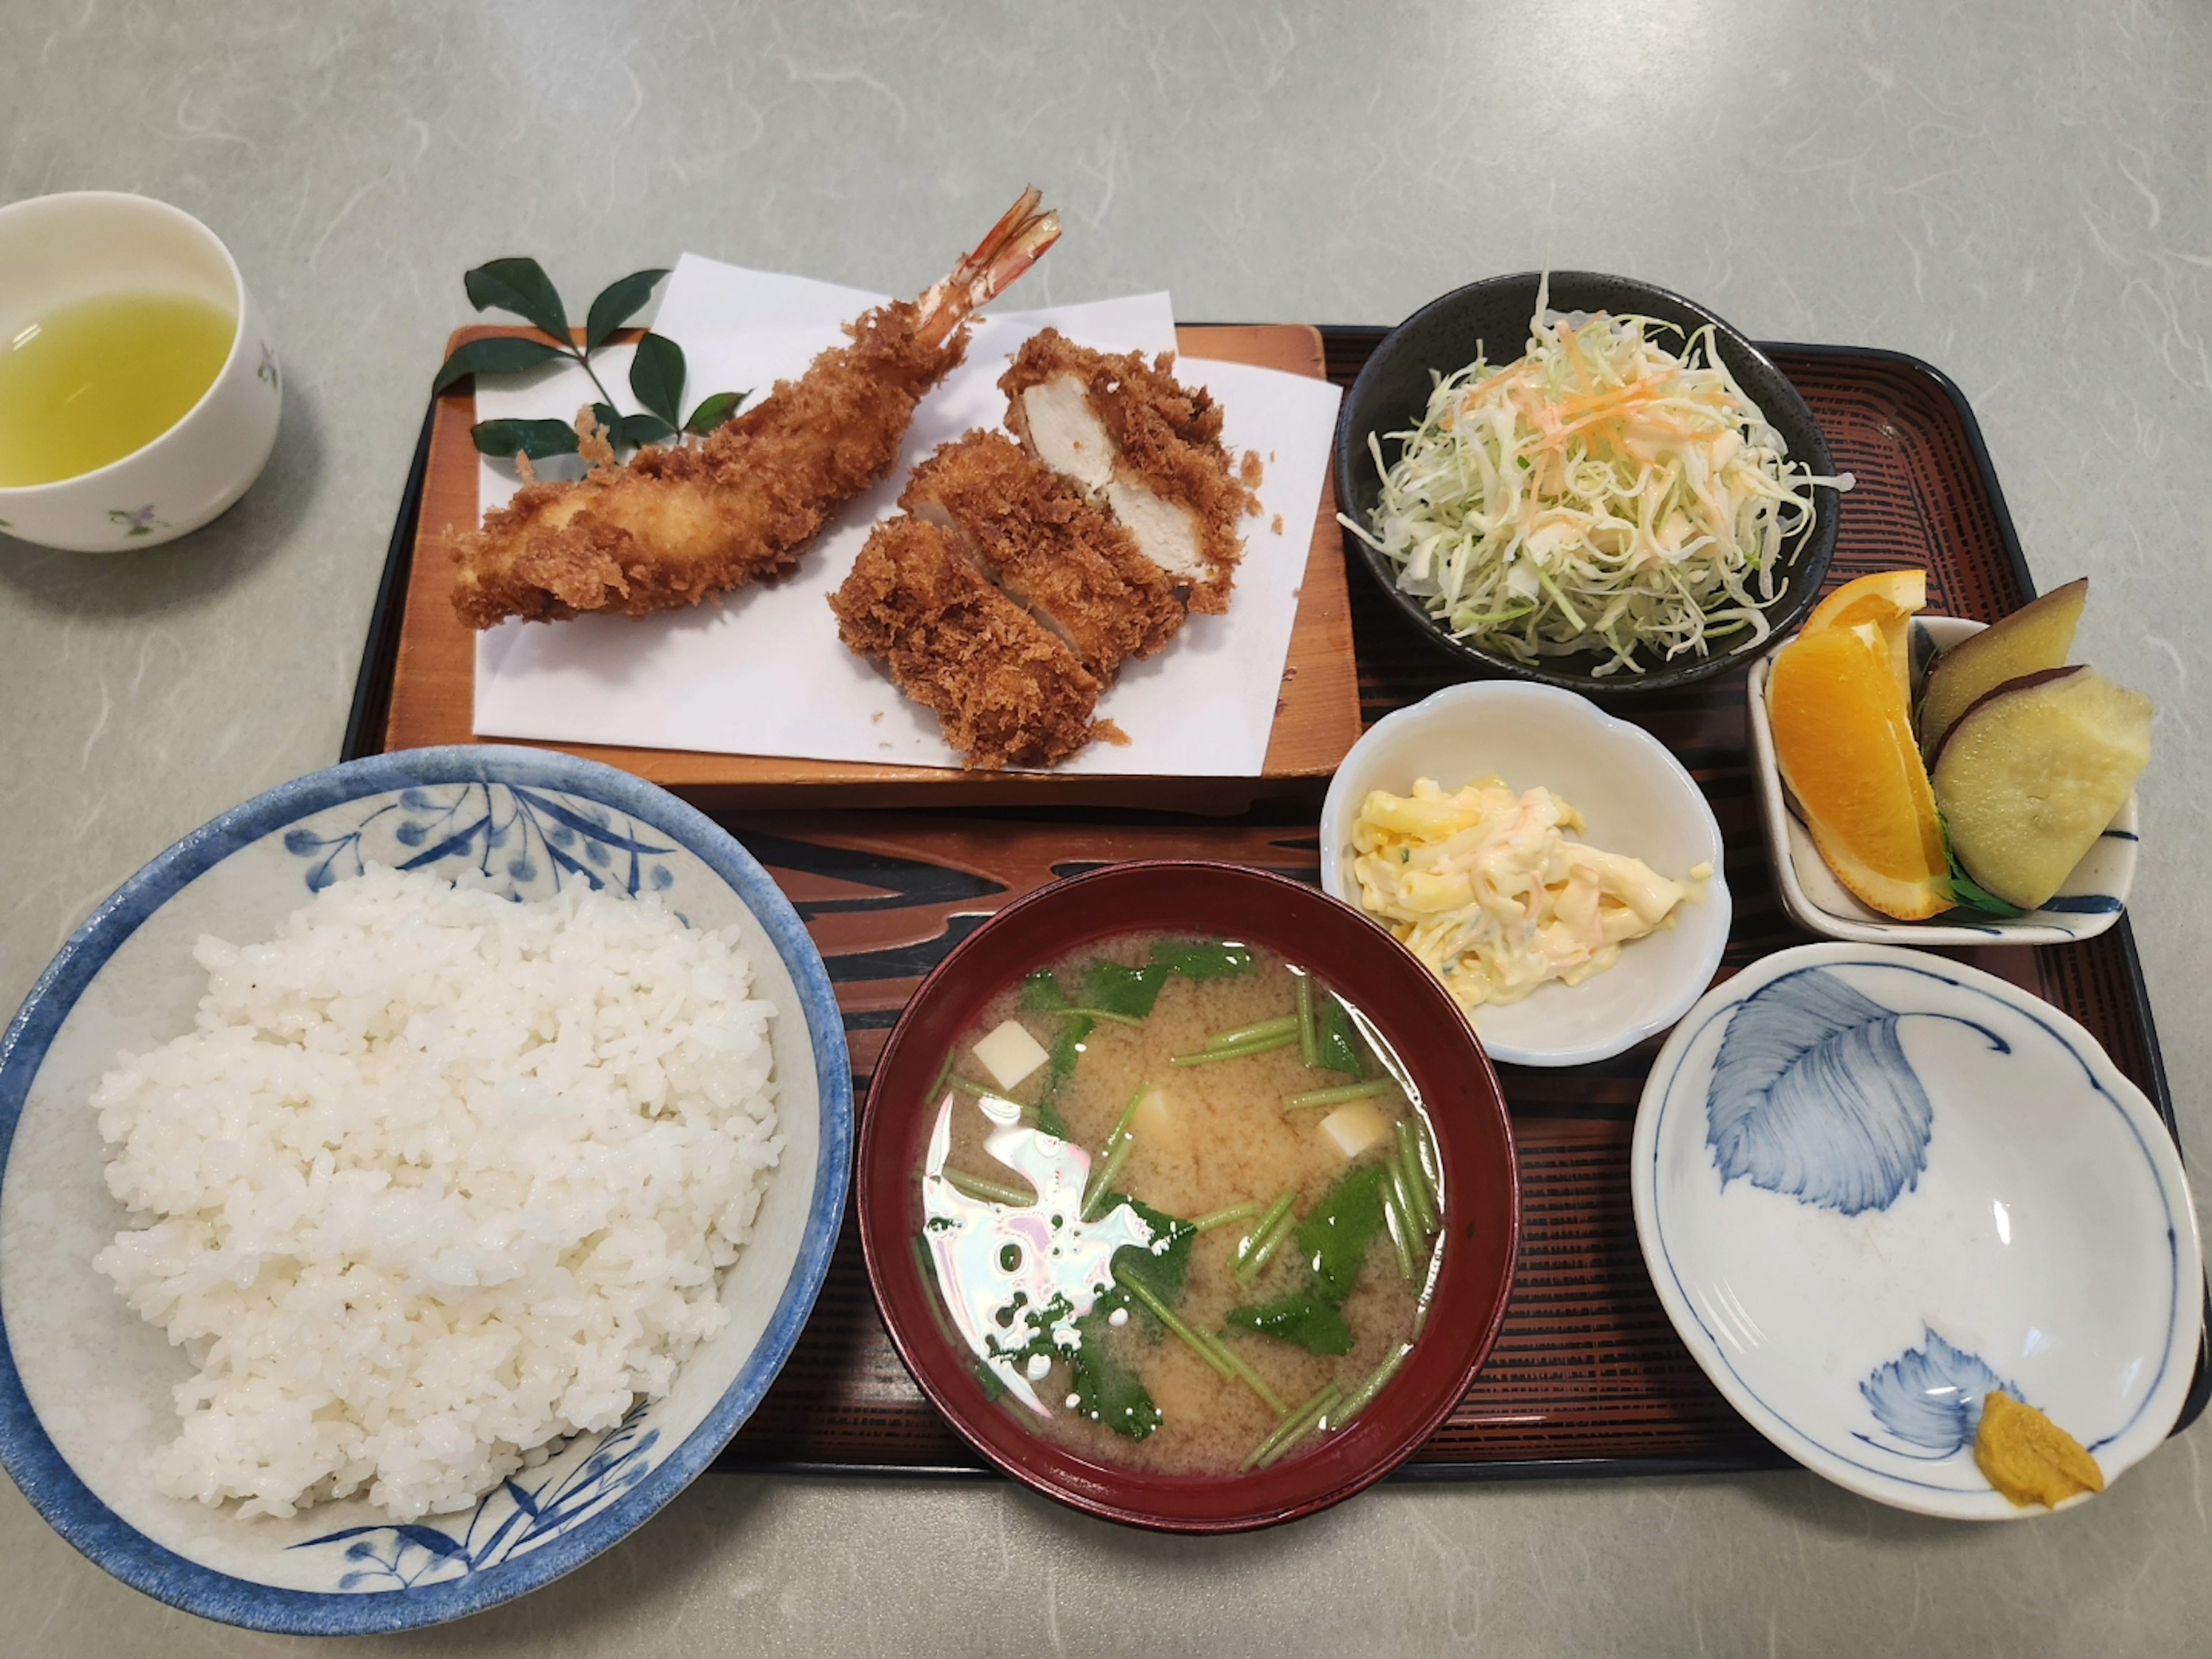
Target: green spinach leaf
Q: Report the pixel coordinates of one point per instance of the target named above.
(1106, 1390)
(1118, 990)
(1312, 1324)
(1163, 1266)
(1041, 995)
(1338, 1042)
(1334, 1239)
(1202, 959)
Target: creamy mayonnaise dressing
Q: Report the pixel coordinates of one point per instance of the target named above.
(1484, 885)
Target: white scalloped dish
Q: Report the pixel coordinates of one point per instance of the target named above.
(1873, 1185)
(1635, 797)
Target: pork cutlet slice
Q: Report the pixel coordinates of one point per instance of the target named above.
(1053, 550)
(1006, 691)
(1127, 433)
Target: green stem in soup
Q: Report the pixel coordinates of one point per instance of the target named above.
(1244, 1034)
(1301, 1320)
(1293, 1428)
(1252, 1379)
(1108, 1170)
(1308, 1038)
(943, 1076)
(1229, 1217)
(1254, 1251)
(1417, 1178)
(1374, 1089)
(1111, 1157)
(1242, 1051)
(1160, 1310)
(1399, 1225)
(1339, 1047)
(1335, 1237)
(1107, 1014)
(984, 1190)
(1364, 1396)
(983, 1091)
(1402, 1186)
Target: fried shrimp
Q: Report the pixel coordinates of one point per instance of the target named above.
(679, 524)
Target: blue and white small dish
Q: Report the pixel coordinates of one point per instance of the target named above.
(1873, 1185)
(2088, 901)
(1635, 797)
(84, 1384)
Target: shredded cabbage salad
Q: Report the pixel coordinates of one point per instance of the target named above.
(1599, 495)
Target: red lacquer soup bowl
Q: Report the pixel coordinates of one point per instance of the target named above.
(1482, 1211)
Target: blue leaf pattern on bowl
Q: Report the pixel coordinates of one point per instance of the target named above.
(1931, 1396)
(1812, 1096)
(533, 831)
(511, 1520)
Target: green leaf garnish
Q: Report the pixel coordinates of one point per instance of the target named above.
(498, 356)
(1201, 959)
(618, 301)
(1302, 1319)
(656, 375)
(522, 287)
(639, 430)
(1969, 894)
(539, 440)
(1334, 1239)
(714, 412)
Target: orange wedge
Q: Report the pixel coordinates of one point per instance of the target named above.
(1843, 737)
(1887, 598)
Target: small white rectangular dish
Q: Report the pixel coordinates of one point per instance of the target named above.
(2088, 901)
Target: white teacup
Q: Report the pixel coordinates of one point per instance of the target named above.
(57, 250)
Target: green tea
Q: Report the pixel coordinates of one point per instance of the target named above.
(89, 383)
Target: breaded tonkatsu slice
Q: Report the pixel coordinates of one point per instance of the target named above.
(1053, 550)
(1006, 691)
(1127, 433)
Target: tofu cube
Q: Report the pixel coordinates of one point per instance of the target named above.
(1010, 1054)
(1355, 1127)
(1154, 1122)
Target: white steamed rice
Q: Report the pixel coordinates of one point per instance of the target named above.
(436, 1179)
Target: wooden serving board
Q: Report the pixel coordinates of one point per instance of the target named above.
(1316, 713)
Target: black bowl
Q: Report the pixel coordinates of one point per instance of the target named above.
(1444, 336)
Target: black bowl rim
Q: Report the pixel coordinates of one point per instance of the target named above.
(1792, 609)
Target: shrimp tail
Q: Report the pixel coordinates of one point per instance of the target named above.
(681, 524)
(1017, 241)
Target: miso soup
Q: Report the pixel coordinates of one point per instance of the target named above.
(1181, 1205)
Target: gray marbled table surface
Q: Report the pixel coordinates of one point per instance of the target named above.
(2017, 192)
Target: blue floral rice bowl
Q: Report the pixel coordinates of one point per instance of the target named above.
(1873, 1186)
(85, 1385)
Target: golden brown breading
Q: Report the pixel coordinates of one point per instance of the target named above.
(1006, 691)
(1168, 437)
(679, 524)
(1054, 551)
